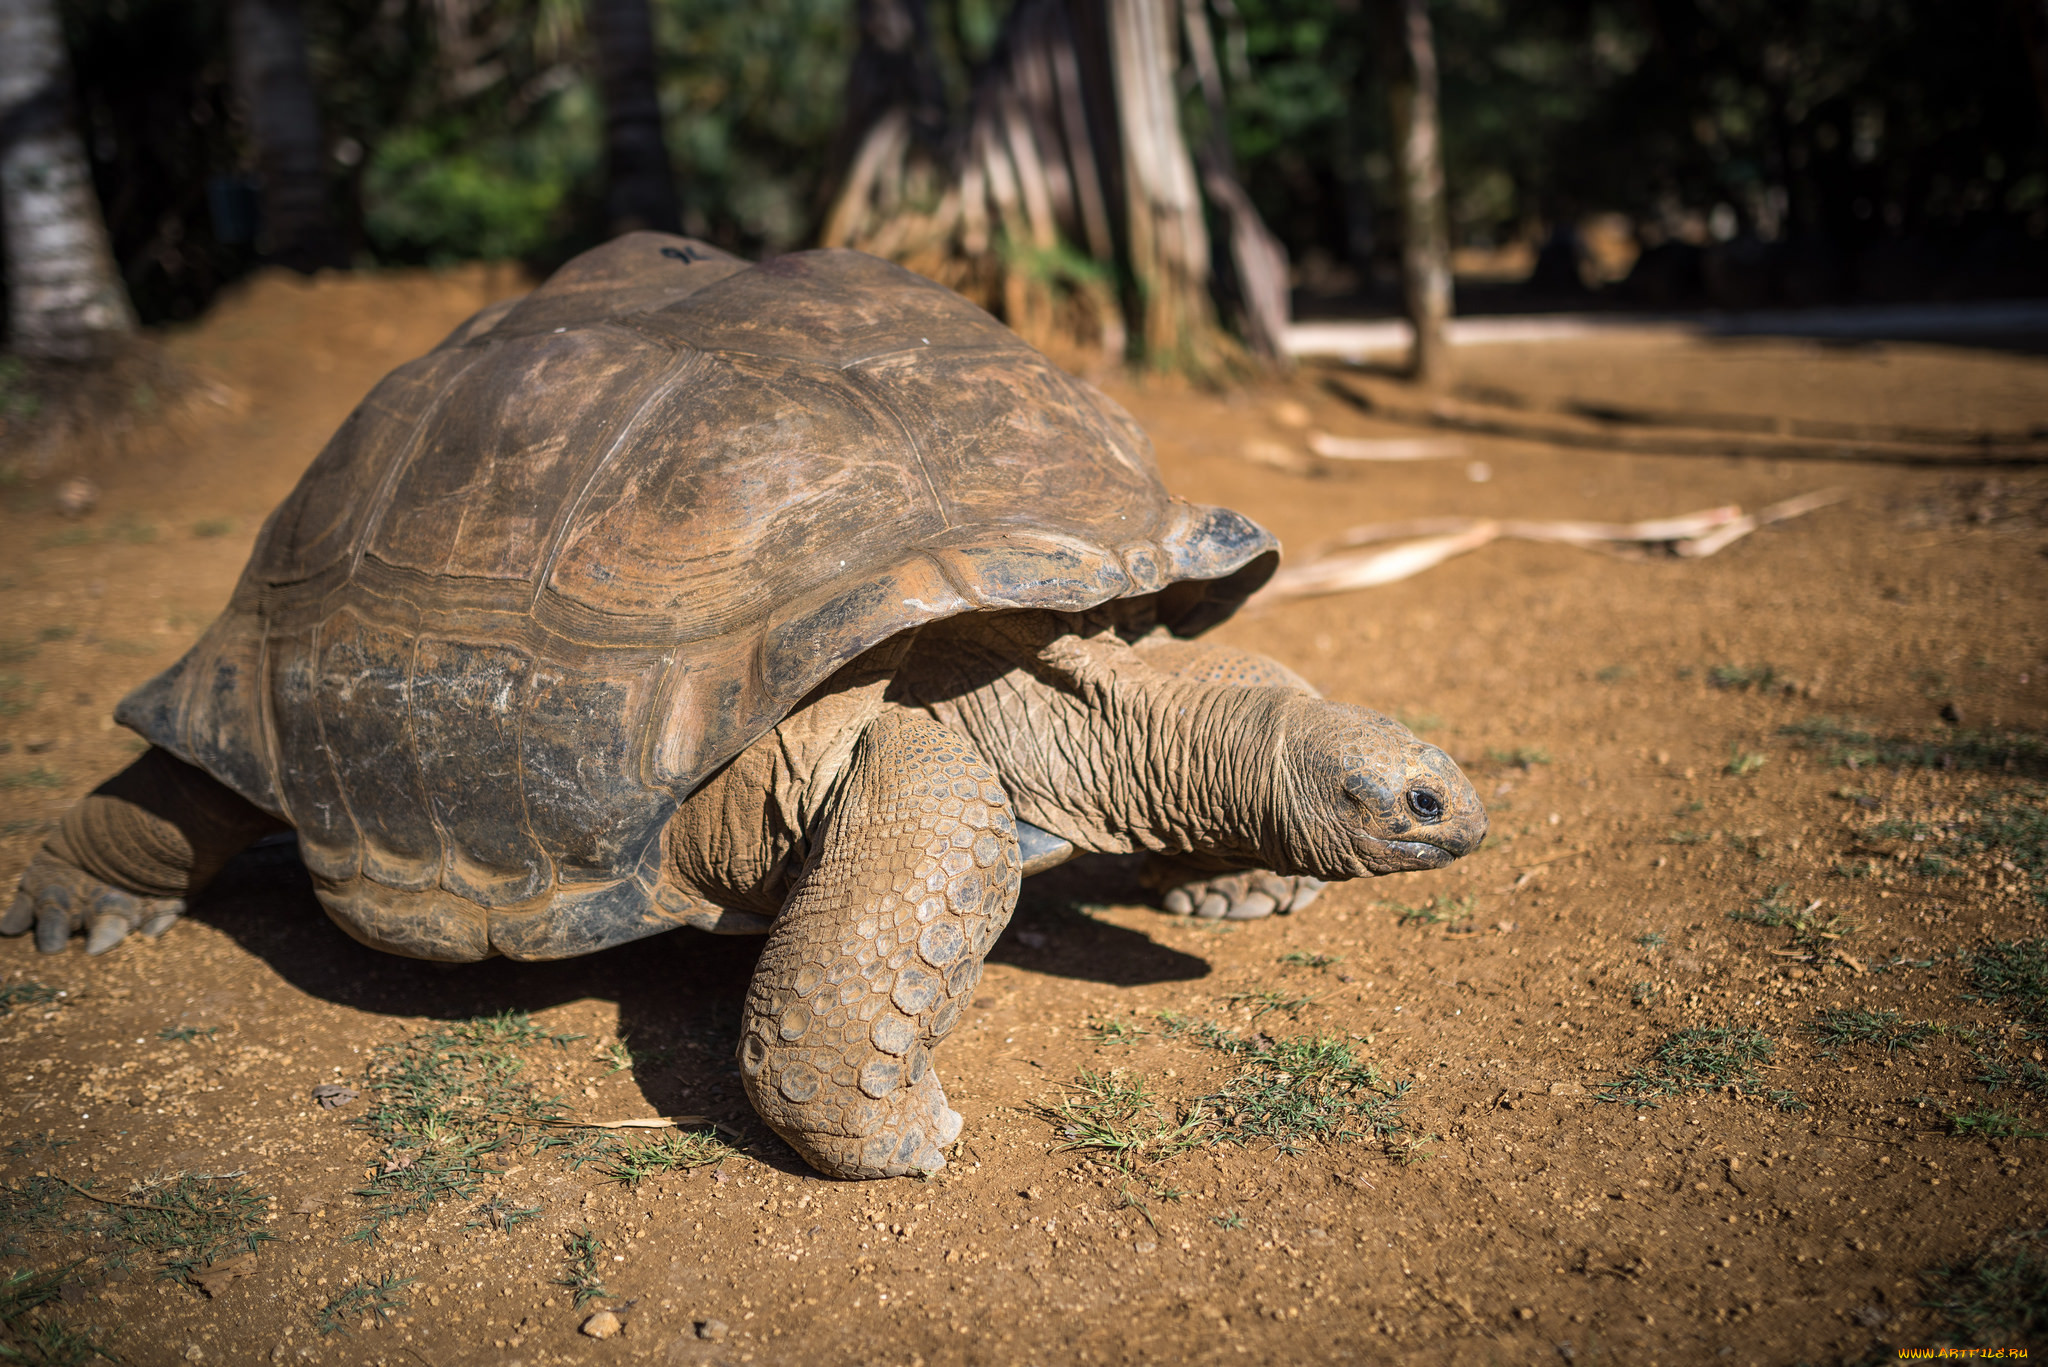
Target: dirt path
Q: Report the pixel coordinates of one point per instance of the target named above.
(1667, 858)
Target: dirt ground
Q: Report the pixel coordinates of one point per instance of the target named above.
(1625, 720)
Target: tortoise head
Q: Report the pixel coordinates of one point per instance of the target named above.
(1361, 795)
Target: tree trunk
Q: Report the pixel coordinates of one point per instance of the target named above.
(1253, 273)
(1167, 239)
(640, 186)
(1425, 233)
(1068, 173)
(275, 84)
(65, 298)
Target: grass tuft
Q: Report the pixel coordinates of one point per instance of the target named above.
(191, 1222)
(586, 1252)
(677, 1151)
(1887, 1030)
(2014, 973)
(1702, 1059)
(1997, 1299)
(1521, 757)
(1985, 1122)
(1103, 1032)
(1852, 746)
(1742, 763)
(447, 1099)
(1742, 678)
(1437, 911)
(367, 1300)
(1301, 958)
(1287, 1094)
(25, 994)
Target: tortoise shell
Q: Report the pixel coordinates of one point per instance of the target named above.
(550, 576)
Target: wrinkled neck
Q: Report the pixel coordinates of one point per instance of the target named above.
(1198, 771)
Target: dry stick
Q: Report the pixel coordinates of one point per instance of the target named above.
(1471, 418)
(128, 1205)
(652, 1122)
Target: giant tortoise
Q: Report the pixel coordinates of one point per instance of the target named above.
(800, 599)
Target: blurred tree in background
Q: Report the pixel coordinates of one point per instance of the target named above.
(1758, 151)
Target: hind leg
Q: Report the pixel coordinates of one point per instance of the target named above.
(130, 853)
(877, 951)
(1185, 888)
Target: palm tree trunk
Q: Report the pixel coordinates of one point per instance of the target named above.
(640, 185)
(1168, 238)
(275, 83)
(65, 300)
(1068, 177)
(1425, 232)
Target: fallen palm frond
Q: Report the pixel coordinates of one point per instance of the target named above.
(1360, 557)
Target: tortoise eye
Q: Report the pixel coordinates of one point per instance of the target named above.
(1425, 804)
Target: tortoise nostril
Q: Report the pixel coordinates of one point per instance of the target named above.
(1425, 804)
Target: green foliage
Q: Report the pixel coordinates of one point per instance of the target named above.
(677, 1151)
(447, 191)
(1840, 1027)
(1297, 1091)
(1998, 1299)
(1520, 757)
(1266, 999)
(185, 1034)
(586, 1254)
(1301, 958)
(366, 1300)
(1287, 1094)
(1742, 763)
(191, 1222)
(25, 994)
(1853, 746)
(447, 1100)
(1437, 911)
(1742, 678)
(1983, 1122)
(1995, 1071)
(2014, 973)
(1104, 1032)
(1702, 1059)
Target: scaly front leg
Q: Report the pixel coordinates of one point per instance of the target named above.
(877, 952)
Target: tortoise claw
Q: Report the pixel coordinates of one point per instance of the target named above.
(59, 899)
(21, 913)
(1187, 891)
(108, 929)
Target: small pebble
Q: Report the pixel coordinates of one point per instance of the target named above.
(602, 1325)
(333, 1094)
(75, 498)
(712, 1329)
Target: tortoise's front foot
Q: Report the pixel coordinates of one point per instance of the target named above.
(1186, 890)
(893, 1121)
(877, 952)
(59, 899)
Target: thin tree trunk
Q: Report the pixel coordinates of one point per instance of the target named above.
(275, 83)
(1425, 231)
(1167, 239)
(1255, 268)
(640, 190)
(65, 297)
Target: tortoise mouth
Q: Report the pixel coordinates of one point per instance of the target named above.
(1412, 855)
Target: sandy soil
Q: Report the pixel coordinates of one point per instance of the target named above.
(1638, 799)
